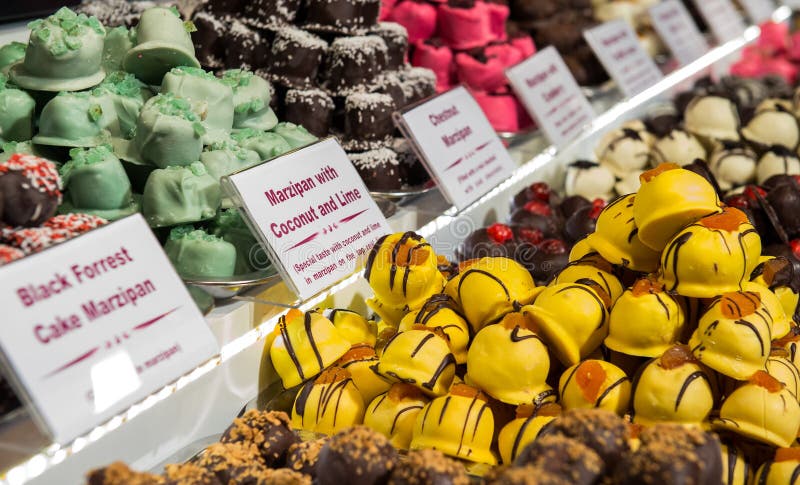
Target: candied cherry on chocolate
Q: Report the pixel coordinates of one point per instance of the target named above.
(549, 259)
(500, 233)
(536, 214)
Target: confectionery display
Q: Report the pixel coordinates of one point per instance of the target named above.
(335, 68)
(622, 310)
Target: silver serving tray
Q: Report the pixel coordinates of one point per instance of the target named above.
(397, 195)
(224, 288)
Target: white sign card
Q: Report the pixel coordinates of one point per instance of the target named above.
(458, 145)
(618, 48)
(722, 18)
(551, 95)
(759, 10)
(313, 213)
(97, 324)
(675, 26)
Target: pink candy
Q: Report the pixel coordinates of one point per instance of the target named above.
(524, 44)
(418, 18)
(439, 59)
(488, 76)
(465, 28)
(498, 14)
(774, 37)
(504, 111)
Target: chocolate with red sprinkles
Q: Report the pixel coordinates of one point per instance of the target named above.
(75, 223)
(9, 254)
(34, 239)
(30, 190)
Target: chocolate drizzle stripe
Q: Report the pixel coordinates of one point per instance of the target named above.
(290, 348)
(379, 402)
(485, 273)
(520, 433)
(407, 271)
(444, 410)
(307, 327)
(302, 398)
(674, 248)
(733, 457)
(608, 390)
(569, 378)
(686, 383)
(762, 479)
(464, 427)
(795, 475)
(400, 413)
(516, 338)
(422, 344)
(448, 360)
(755, 331)
(425, 416)
(663, 305)
(478, 421)
(372, 254)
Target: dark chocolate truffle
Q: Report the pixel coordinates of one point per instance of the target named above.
(189, 474)
(785, 200)
(118, 473)
(428, 467)
(354, 62)
(563, 457)
(244, 47)
(538, 215)
(270, 431)
(341, 16)
(311, 108)
(368, 117)
(233, 462)
(209, 39)
(526, 475)
(396, 38)
(30, 189)
(358, 456)
(303, 456)
(672, 453)
(295, 57)
(601, 430)
(380, 169)
(271, 13)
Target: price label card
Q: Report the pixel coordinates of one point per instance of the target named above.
(722, 17)
(458, 145)
(618, 48)
(550, 94)
(759, 10)
(675, 26)
(312, 212)
(97, 324)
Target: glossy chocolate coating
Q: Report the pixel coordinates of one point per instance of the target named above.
(563, 457)
(602, 431)
(269, 431)
(22, 204)
(357, 456)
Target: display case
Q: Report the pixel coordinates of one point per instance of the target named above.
(177, 421)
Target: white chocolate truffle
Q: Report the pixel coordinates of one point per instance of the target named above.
(777, 161)
(773, 127)
(713, 117)
(623, 150)
(590, 180)
(629, 184)
(733, 164)
(678, 146)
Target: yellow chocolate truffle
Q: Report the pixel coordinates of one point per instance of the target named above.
(403, 271)
(509, 362)
(761, 409)
(580, 249)
(784, 370)
(328, 404)
(359, 361)
(645, 321)
(673, 388)
(442, 311)
(595, 384)
(521, 431)
(572, 318)
(304, 346)
(488, 288)
(783, 470)
(420, 356)
(781, 324)
(733, 335)
(393, 413)
(460, 424)
(616, 237)
(735, 469)
(670, 198)
(712, 256)
(595, 268)
(352, 326)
